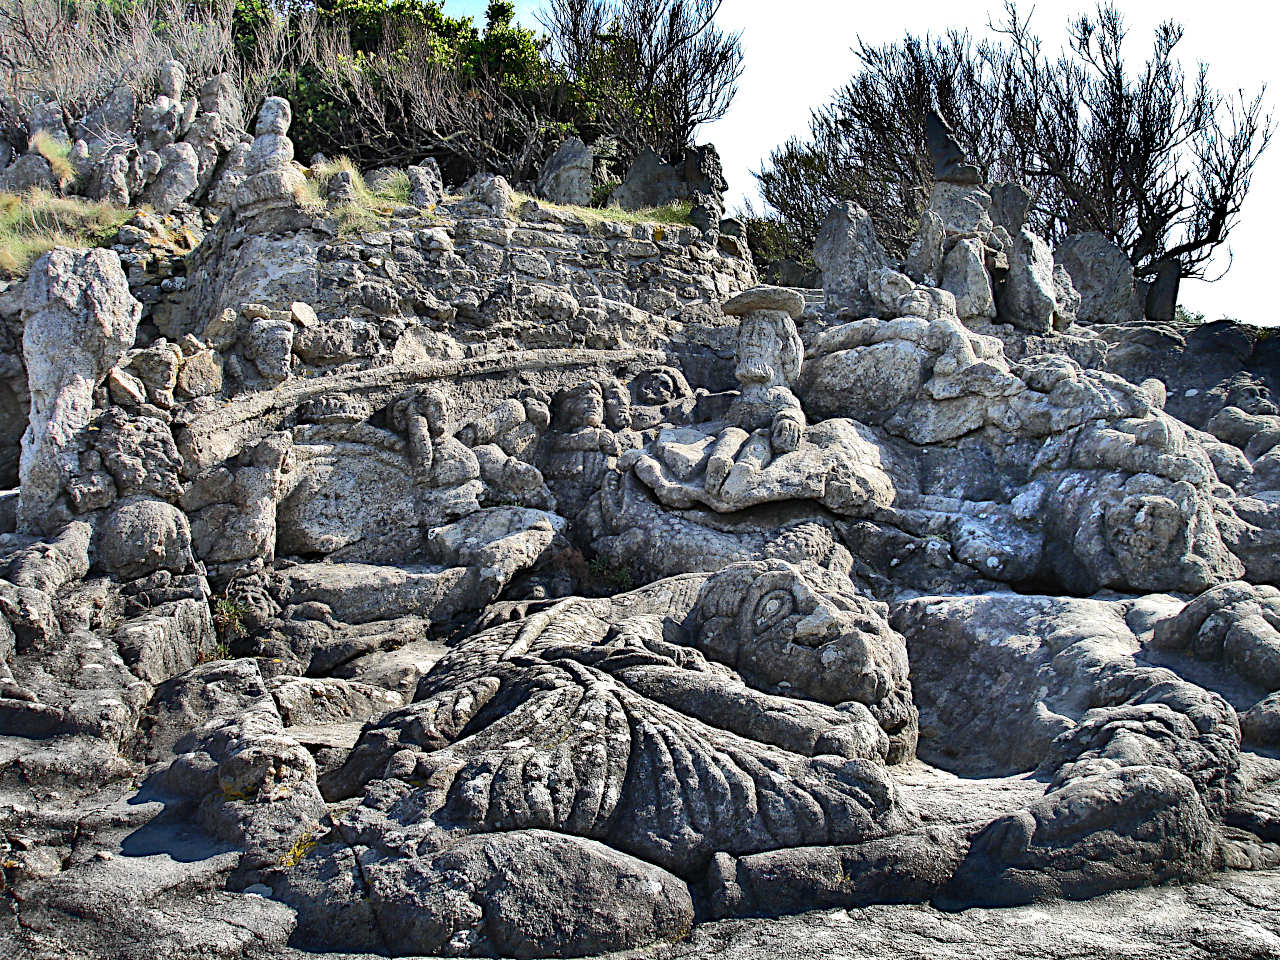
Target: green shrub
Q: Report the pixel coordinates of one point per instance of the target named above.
(228, 621)
(614, 578)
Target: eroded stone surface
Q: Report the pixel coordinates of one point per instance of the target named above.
(497, 583)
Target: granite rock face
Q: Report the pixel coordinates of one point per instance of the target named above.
(847, 252)
(496, 583)
(164, 152)
(1102, 275)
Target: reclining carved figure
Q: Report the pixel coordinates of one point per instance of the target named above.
(746, 711)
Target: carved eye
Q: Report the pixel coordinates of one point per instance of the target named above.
(771, 609)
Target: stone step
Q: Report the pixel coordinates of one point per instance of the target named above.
(811, 294)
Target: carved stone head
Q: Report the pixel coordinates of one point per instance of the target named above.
(769, 350)
(659, 385)
(802, 626)
(580, 406)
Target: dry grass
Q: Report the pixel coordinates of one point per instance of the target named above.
(676, 214)
(36, 222)
(58, 156)
(369, 208)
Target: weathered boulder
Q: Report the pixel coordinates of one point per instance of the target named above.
(178, 178)
(139, 537)
(923, 263)
(1102, 275)
(848, 251)
(270, 346)
(111, 122)
(949, 163)
(28, 172)
(530, 893)
(1009, 205)
(492, 192)
(963, 210)
(220, 96)
(566, 176)
(78, 321)
(425, 185)
(653, 182)
(1028, 299)
(964, 275)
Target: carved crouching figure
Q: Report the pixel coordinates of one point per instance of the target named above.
(581, 448)
(765, 419)
(446, 473)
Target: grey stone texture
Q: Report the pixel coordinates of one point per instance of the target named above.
(495, 582)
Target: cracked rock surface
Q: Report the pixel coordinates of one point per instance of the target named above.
(498, 582)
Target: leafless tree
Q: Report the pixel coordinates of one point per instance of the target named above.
(651, 71)
(404, 104)
(1158, 162)
(77, 53)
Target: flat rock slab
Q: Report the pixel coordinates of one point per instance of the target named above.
(361, 592)
(765, 298)
(315, 736)
(1234, 915)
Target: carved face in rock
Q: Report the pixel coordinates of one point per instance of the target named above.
(769, 349)
(617, 406)
(431, 405)
(580, 406)
(802, 628)
(1144, 528)
(660, 385)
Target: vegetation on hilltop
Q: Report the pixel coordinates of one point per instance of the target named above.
(394, 81)
(35, 223)
(1151, 156)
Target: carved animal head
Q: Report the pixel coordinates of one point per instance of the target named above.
(801, 626)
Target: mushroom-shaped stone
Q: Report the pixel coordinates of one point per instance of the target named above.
(765, 298)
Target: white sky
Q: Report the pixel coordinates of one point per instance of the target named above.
(797, 52)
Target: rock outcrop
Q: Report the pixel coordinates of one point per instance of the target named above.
(494, 582)
(78, 320)
(566, 176)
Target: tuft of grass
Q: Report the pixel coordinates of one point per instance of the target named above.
(615, 578)
(58, 155)
(34, 223)
(228, 621)
(394, 188)
(369, 208)
(675, 214)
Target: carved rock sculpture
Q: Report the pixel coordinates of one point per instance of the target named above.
(949, 162)
(271, 181)
(488, 581)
